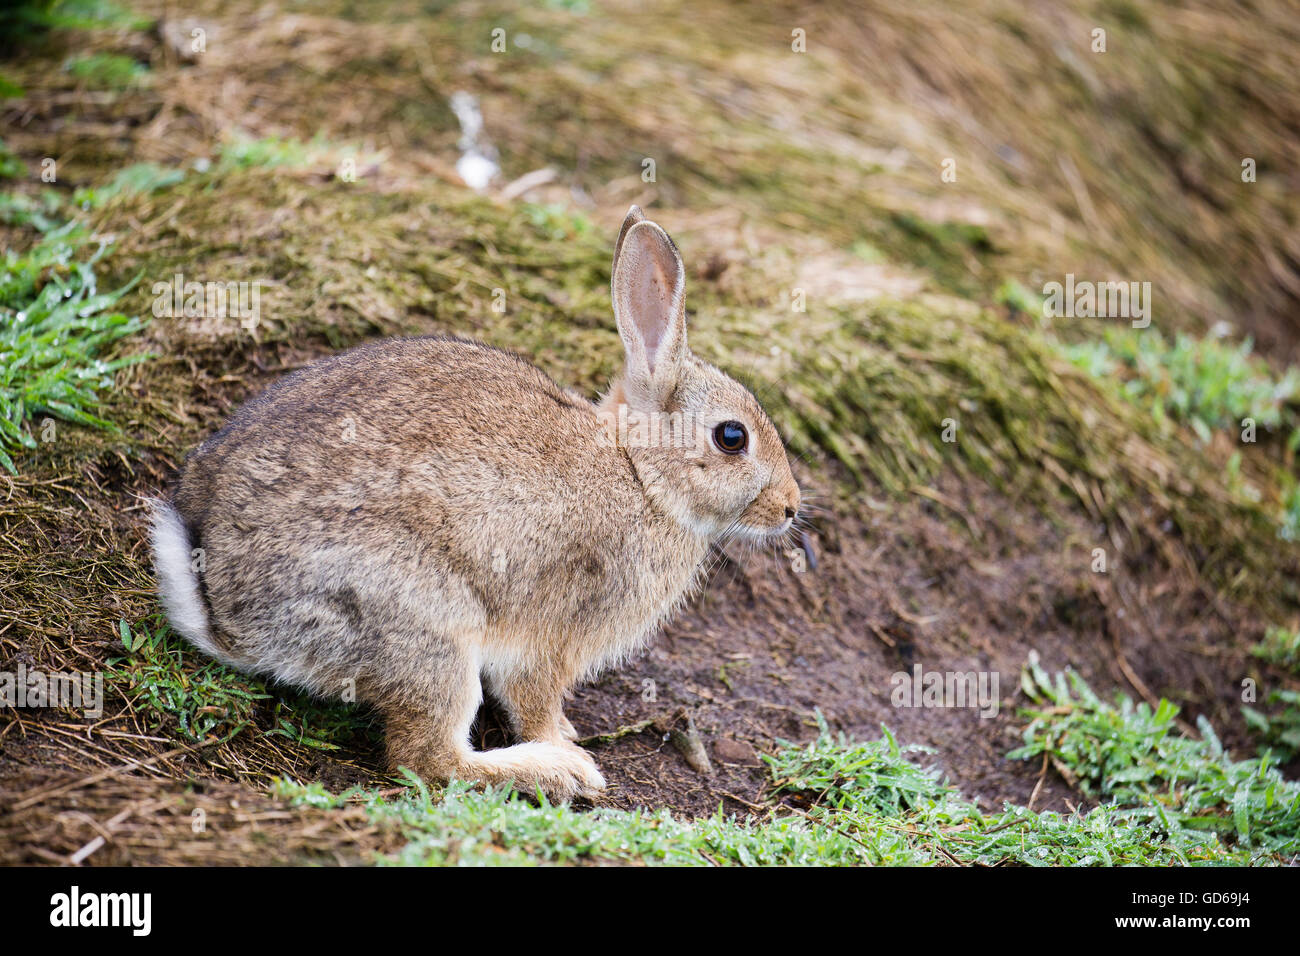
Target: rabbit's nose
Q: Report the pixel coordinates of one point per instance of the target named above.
(789, 512)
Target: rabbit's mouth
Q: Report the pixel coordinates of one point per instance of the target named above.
(748, 532)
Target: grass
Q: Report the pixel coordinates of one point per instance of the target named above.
(27, 23)
(201, 701)
(1166, 798)
(11, 167)
(107, 71)
(1289, 529)
(1280, 647)
(1279, 728)
(906, 815)
(57, 330)
(195, 703)
(842, 147)
(42, 211)
(1208, 385)
(1169, 799)
(56, 333)
(1205, 383)
(875, 391)
(836, 143)
(27, 19)
(1134, 755)
(242, 152)
(136, 178)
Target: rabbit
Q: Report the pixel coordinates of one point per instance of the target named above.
(421, 519)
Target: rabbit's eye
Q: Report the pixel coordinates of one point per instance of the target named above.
(731, 437)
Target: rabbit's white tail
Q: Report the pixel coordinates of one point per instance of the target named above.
(178, 582)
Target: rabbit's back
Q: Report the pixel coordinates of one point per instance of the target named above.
(426, 405)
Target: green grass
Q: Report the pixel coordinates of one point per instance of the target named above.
(56, 332)
(1203, 382)
(1169, 800)
(57, 329)
(1280, 728)
(1019, 299)
(209, 701)
(25, 24)
(1289, 529)
(1280, 647)
(41, 212)
(1207, 385)
(181, 692)
(1134, 755)
(27, 19)
(11, 167)
(107, 71)
(137, 178)
(556, 222)
(267, 153)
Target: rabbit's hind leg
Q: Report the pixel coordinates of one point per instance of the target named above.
(428, 732)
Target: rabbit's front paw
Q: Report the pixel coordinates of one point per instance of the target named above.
(574, 774)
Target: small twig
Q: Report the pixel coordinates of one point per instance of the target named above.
(1065, 772)
(935, 846)
(625, 731)
(106, 833)
(1042, 775)
(1007, 825)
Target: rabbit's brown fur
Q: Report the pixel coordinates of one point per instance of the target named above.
(420, 518)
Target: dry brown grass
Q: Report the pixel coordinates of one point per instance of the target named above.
(125, 819)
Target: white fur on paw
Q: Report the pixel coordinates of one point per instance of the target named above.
(574, 774)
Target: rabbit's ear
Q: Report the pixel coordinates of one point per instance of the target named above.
(634, 215)
(649, 307)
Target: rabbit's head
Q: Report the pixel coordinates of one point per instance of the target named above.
(702, 446)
